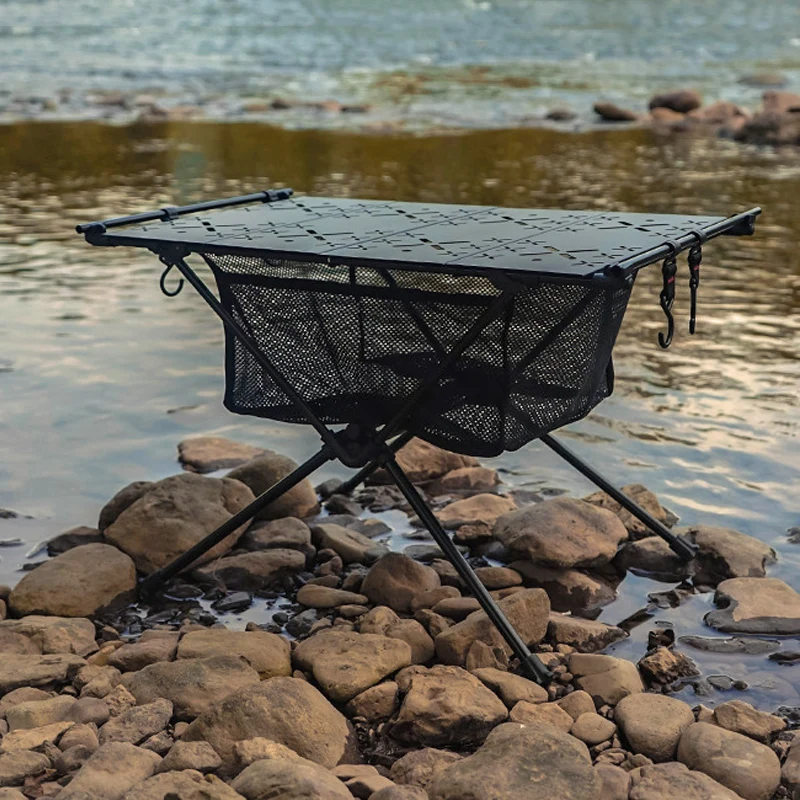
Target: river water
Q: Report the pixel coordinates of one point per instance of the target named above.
(101, 375)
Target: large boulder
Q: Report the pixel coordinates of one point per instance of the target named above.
(77, 583)
(396, 579)
(267, 653)
(423, 461)
(289, 711)
(48, 635)
(605, 678)
(173, 515)
(264, 472)
(674, 781)
(209, 453)
(252, 571)
(111, 771)
(746, 767)
(756, 605)
(519, 762)
(192, 685)
(562, 532)
(345, 663)
(725, 553)
(289, 780)
(17, 670)
(527, 610)
(653, 723)
(447, 706)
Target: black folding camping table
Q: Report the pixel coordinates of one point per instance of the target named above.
(478, 329)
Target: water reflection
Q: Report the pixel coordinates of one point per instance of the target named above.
(101, 376)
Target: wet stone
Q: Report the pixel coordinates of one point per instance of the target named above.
(235, 601)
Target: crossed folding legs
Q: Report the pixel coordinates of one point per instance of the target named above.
(370, 449)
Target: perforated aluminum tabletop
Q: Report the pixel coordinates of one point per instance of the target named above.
(446, 238)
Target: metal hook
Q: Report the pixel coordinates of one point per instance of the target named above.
(163, 283)
(668, 271)
(695, 258)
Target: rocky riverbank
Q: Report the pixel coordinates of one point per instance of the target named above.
(378, 676)
(775, 122)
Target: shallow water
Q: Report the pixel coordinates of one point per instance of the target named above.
(444, 61)
(101, 375)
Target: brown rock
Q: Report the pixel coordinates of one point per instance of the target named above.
(111, 771)
(780, 102)
(378, 620)
(316, 596)
(398, 793)
(345, 663)
(103, 574)
(642, 496)
(17, 766)
(375, 704)
(592, 729)
(267, 653)
(209, 453)
(611, 112)
(430, 598)
(563, 533)
(755, 605)
(667, 117)
(365, 786)
(185, 785)
(447, 705)
(498, 577)
(653, 723)
(136, 724)
(193, 685)
(74, 537)
(741, 717)
(725, 553)
(289, 780)
(265, 471)
(576, 703)
(37, 670)
(516, 758)
(35, 713)
(465, 479)
(542, 714)
(33, 738)
(50, 635)
(249, 750)
(663, 666)
(152, 647)
(395, 580)
(457, 608)
(749, 769)
(605, 678)
(418, 767)
(485, 508)
(616, 782)
(585, 635)
(415, 635)
(771, 128)
(191, 755)
(252, 571)
(568, 589)
(527, 611)
(682, 100)
(674, 781)
(654, 558)
(287, 710)
(510, 688)
(422, 461)
(175, 514)
(288, 532)
(349, 544)
(123, 499)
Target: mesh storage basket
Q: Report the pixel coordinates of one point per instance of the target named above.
(356, 342)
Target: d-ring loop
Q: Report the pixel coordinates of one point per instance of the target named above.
(668, 271)
(163, 283)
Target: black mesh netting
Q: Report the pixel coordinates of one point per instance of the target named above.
(357, 342)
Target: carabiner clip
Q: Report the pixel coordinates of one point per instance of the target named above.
(695, 259)
(163, 283)
(669, 270)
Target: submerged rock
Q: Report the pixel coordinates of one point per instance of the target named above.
(755, 605)
(77, 583)
(174, 514)
(562, 533)
(518, 762)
